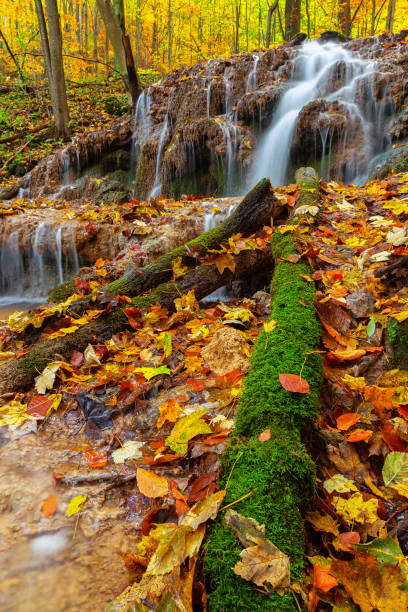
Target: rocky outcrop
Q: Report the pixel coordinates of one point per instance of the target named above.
(202, 123)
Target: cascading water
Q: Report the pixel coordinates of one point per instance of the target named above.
(29, 271)
(163, 135)
(211, 220)
(142, 126)
(315, 75)
(251, 82)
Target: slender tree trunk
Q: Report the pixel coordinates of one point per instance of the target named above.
(389, 26)
(137, 34)
(52, 50)
(170, 36)
(271, 10)
(13, 57)
(292, 18)
(343, 17)
(308, 17)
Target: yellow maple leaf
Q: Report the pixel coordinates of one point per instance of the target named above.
(170, 410)
(76, 503)
(356, 509)
(13, 414)
(185, 429)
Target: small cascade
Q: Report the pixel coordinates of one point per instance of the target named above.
(209, 97)
(65, 167)
(24, 191)
(142, 126)
(211, 220)
(28, 271)
(251, 82)
(156, 190)
(332, 72)
(230, 131)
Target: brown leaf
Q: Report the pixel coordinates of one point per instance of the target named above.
(265, 435)
(369, 587)
(323, 522)
(264, 564)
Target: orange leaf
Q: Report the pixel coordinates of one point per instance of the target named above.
(360, 435)
(265, 435)
(348, 355)
(349, 537)
(381, 398)
(150, 484)
(96, 458)
(39, 406)
(322, 579)
(293, 383)
(345, 421)
(99, 262)
(134, 316)
(50, 505)
(291, 200)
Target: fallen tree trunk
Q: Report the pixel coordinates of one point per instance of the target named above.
(257, 208)
(278, 472)
(260, 204)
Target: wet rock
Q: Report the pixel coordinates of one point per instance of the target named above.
(262, 298)
(333, 36)
(360, 303)
(393, 160)
(225, 352)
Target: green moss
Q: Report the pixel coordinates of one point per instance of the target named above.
(280, 469)
(398, 336)
(62, 292)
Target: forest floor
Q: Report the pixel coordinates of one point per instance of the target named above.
(124, 440)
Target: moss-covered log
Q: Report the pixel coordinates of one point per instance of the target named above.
(255, 210)
(19, 373)
(280, 469)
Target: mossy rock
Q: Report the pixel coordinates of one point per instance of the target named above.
(398, 337)
(62, 292)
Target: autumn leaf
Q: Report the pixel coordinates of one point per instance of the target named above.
(91, 358)
(13, 414)
(270, 325)
(149, 373)
(128, 450)
(340, 484)
(356, 509)
(265, 435)
(322, 579)
(323, 522)
(224, 260)
(76, 503)
(134, 316)
(345, 421)
(264, 564)
(46, 380)
(150, 484)
(50, 505)
(386, 550)
(178, 268)
(185, 429)
(170, 410)
(40, 405)
(360, 435)
(395, 472)
(96, 459)
(369, 587)
(203, 510)
(294, 383)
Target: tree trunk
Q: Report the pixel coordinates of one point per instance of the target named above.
(271, 9)
(343, 17)
(389, 26)
(255, 210)
(57, 81)
(292, 18)
(13, 57)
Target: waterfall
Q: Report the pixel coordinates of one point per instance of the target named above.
(316, 74)
(142, 125)
(24, 191)
(58, 242)
(251, 82)
(65, 167)
(30, 269)
(211, 220)
(157, 182)
(229, 128)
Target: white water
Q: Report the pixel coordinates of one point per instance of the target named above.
(211, 220)
(313, 74)
(251, 82)
(156, 190)
(29, 271)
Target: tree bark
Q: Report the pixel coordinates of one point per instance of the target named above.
(271, 9)
(57, 85)
(390, 16)
(292, 18)
(255, 210)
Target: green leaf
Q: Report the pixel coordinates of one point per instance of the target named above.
(395, 470)
(370, 328)
(386, 550)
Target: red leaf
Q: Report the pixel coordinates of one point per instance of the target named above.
(96, 458)
(39, 406)
(216, 438)
(82, 285)
(403, 411)
(322, 579)
(50, 505)
(393, 442)
(345, 421)
(291, 200)
(76, 359)
(134, 317)
(199, 488)
(349, 537)
(293, 383)
(265, 435)
(196, 385)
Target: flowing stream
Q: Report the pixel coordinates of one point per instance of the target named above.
(316, 75)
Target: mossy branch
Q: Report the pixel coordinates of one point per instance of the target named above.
(280, 468)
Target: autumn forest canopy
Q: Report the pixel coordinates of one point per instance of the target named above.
(204, 305)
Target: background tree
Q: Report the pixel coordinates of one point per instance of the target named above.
(51, 41)
(292, 18)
